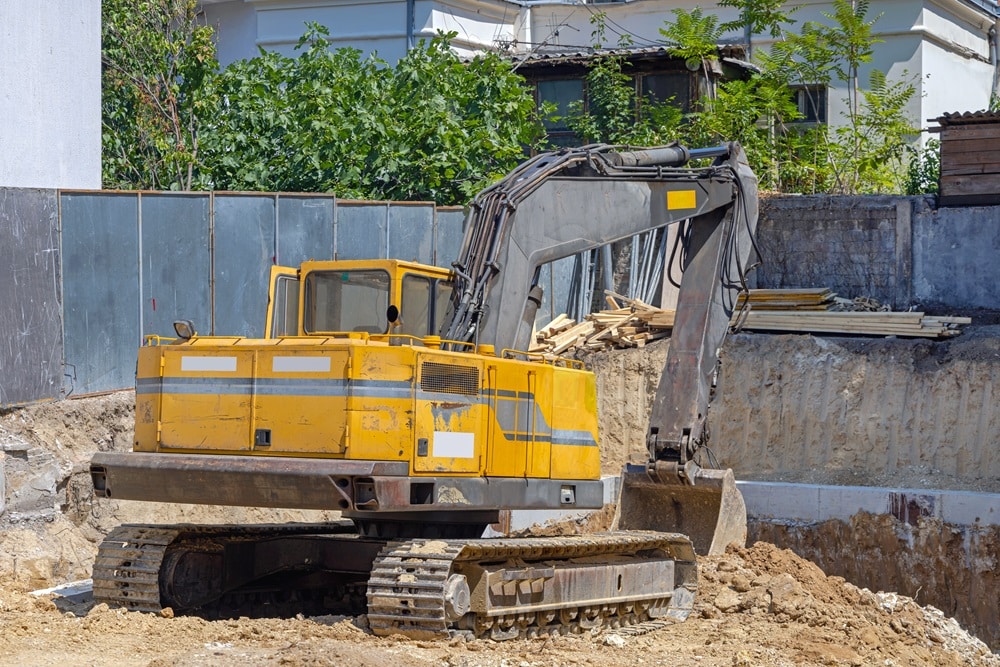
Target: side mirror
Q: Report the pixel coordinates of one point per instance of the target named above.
(392, 314)
(185, 329)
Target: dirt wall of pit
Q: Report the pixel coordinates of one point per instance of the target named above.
(799, 408)
(849, 411)
(50, 522)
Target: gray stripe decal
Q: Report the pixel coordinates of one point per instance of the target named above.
(567, 438)
(505, 412)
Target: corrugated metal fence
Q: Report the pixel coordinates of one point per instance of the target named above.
(30, 317)
(88, 274)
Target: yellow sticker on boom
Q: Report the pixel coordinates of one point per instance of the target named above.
(681, 199)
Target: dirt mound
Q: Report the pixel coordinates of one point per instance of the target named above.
(835, 622)
(758, 606)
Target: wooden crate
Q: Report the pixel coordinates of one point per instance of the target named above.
(970, 159)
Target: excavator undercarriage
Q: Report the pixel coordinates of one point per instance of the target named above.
(423, 588)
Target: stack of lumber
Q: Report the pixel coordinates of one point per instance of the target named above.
(871, 323)
(632, 323)
(788, 299)
(628, 323)
(822, 311)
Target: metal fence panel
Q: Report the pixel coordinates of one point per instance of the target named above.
(100, 240)
(554, 279)
(361, 230)
(244, 253)
(305, 229)
(176, 263)
(449, 227)
(30, 329)
(410, 233)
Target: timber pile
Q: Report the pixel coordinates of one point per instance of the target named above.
(632, 323)
(628, 323)
(822, 311)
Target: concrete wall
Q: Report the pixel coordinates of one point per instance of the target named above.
(899, 250)
(955, 253)
(50, 94)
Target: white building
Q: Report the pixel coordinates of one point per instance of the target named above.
(947, 47)
(50, 93)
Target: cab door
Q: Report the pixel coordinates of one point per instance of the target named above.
(283, 303)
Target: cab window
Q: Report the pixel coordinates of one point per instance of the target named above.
(416, 309)
(346, 301)
(424, 304)
(285, 314)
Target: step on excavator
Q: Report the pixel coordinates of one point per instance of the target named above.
(398, 394)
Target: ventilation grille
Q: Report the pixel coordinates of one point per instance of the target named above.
(449, 379)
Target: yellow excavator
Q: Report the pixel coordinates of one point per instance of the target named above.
(399, 394)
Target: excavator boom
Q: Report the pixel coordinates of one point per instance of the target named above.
(560, 204)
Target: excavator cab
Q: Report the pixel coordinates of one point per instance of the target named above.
(355, 296)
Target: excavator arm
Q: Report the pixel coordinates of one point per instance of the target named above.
(563, 203)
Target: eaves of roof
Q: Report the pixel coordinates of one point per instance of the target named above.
(966, 118)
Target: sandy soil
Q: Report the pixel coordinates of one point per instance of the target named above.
(758, 606)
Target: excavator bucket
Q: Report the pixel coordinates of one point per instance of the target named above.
(710, 510)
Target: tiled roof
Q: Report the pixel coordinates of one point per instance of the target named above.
(729, 52)
(966, 118)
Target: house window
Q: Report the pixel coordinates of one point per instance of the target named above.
(811, 101)
(674, 87)
(561, 92)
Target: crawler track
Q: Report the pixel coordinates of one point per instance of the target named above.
(528, 587)
(142, 567)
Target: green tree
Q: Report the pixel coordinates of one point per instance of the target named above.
(431, 128)
(866, 153)
(694, 36)
(156, 57)
(759, 17)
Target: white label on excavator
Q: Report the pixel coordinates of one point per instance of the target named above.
(300, 365)
(453, 445)
(216, 364)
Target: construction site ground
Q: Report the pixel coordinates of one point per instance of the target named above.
(757, 606)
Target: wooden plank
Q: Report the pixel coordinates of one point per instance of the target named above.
(965, 170)
(977, 131)
(950, 146)
(985, 184)
(969, 158)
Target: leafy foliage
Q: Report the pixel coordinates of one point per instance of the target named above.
(156, 56)
(430, 128)
(867, 152)
(870, 151)
(760, 16)
(434, 127)
(924, 169)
